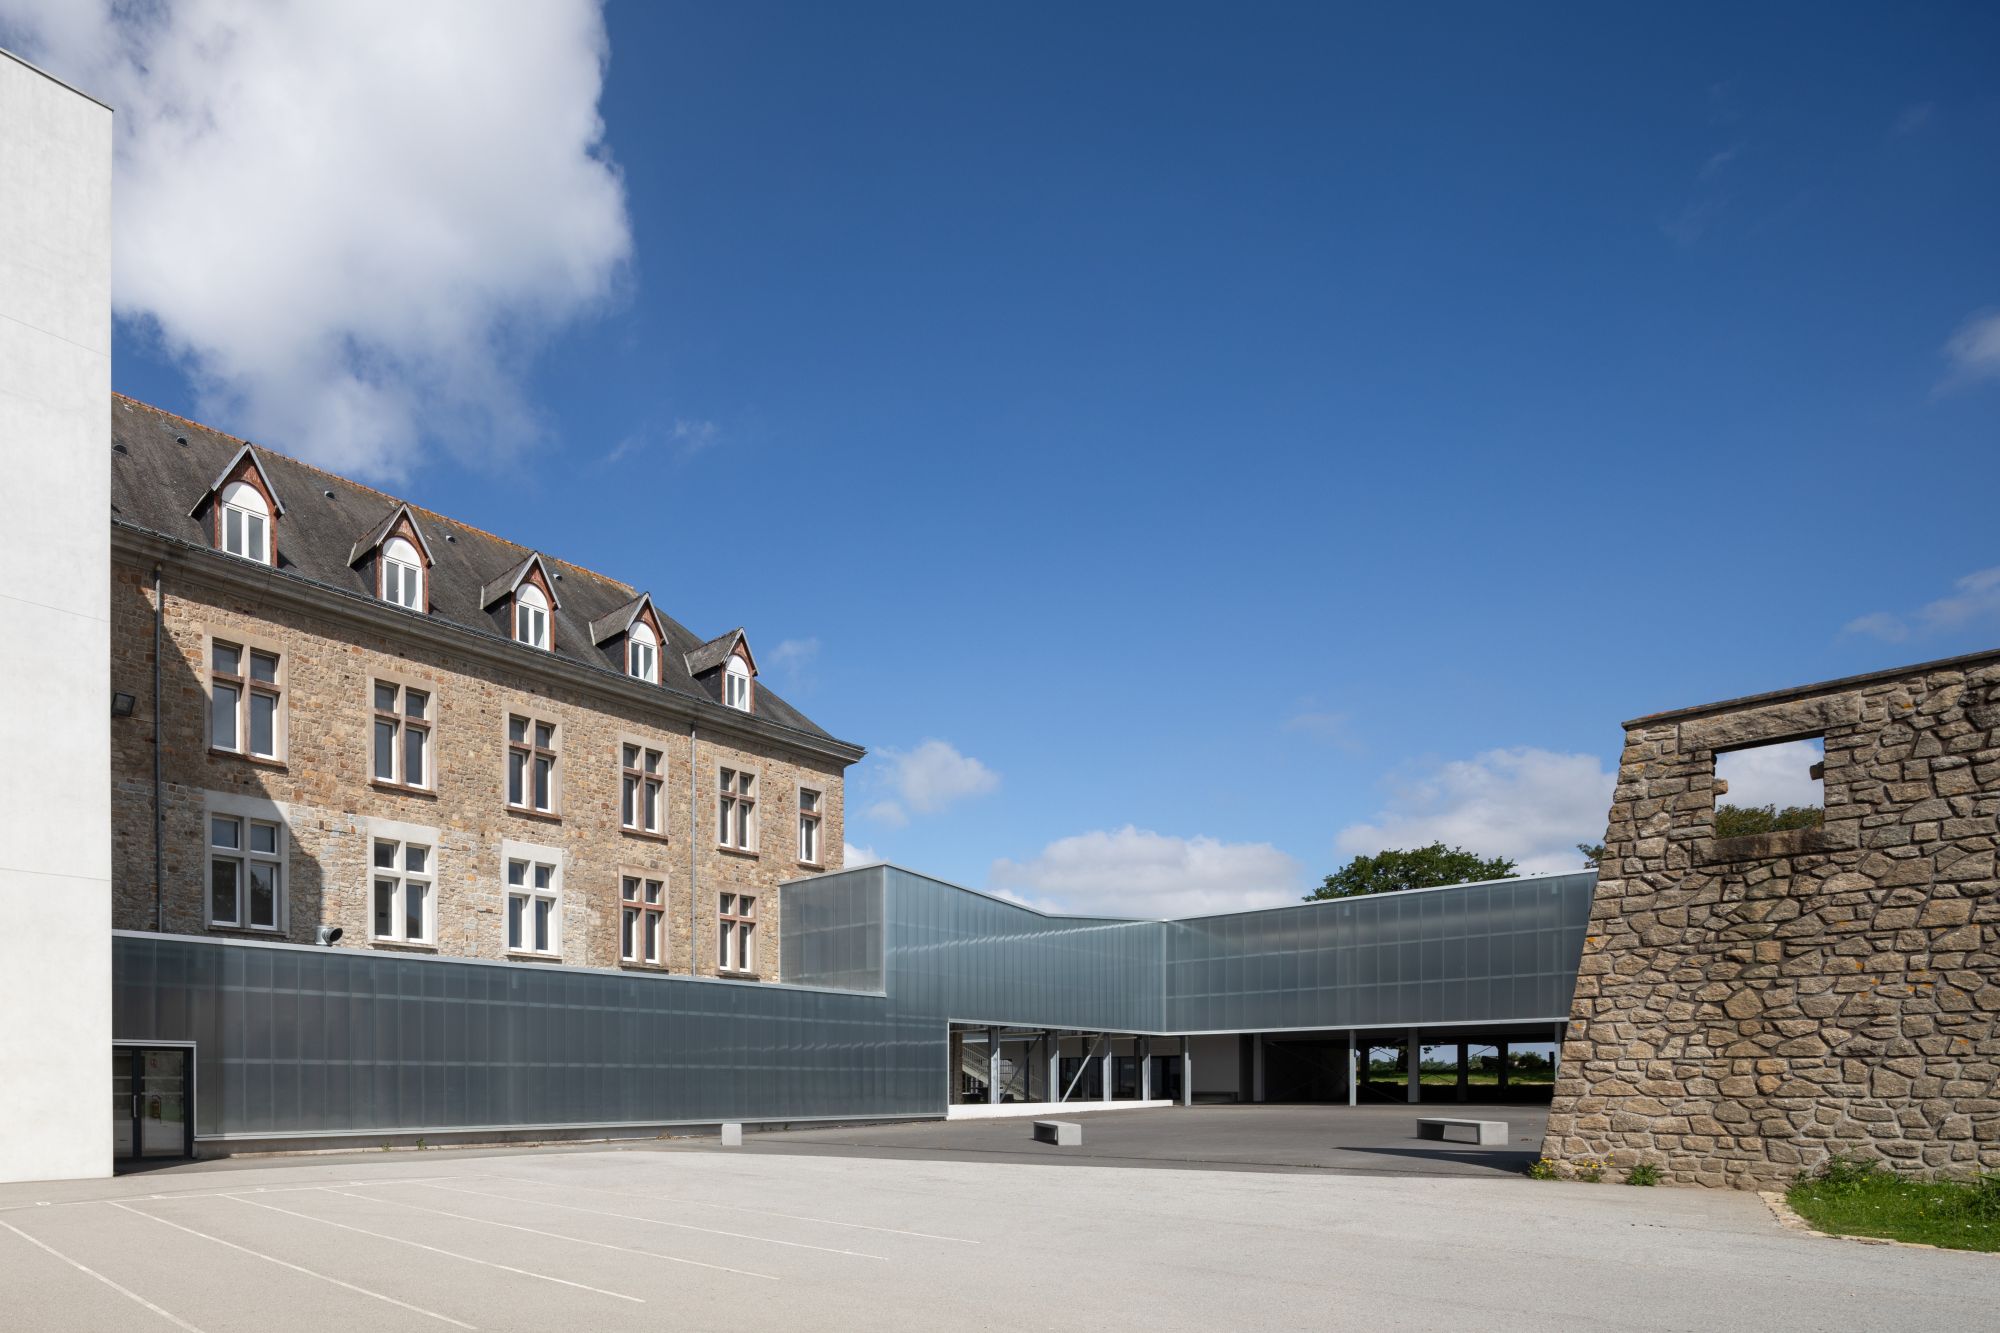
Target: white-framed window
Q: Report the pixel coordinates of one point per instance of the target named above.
(736, 933)
(402, 574)
(531, 764)
(736, 683)
(534, 898)
(531, 616)
(243, 522)
(246, 700)
(642, 653)
(810, 814)
(401, 753)
(246, 868)
(642, 801)
(736, 810)
(642, 905)
(403, 902)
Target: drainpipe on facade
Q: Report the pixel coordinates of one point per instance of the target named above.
(159, 814)
(694, 820)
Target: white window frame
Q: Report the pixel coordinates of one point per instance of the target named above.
(246, 811)
(736, 807)
(245, 504)
(736, 933)
(812, 826)
(531, 617)
(402, 837)
(635, 776)
(642, 655)
(736, 683)
(402, 724)
(246, 685)
(402, 574)
(532, 753)
(647, 913)
(533, 856)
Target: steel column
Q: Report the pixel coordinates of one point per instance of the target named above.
(993, 1066)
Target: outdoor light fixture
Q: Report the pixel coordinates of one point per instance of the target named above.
(121, 705)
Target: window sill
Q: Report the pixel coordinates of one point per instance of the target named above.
(402, 789)
(644, 835)
(746, 853)
(261, 761)
(634, 965)
(731, 974)
(254, 932)
(532, 956)
(811, 865)
(402, 946)
(540, 816)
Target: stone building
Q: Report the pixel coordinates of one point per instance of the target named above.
(1747, 1006)
(376, 719)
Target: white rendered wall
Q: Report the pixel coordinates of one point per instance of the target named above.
(55, 645)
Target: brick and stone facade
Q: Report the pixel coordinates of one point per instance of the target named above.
(333, 649)
(1748, 1006)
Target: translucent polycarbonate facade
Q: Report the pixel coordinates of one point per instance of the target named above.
(299, 1041)
(878, 963)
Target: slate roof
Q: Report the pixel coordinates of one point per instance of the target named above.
(714, 653)
(155, 480)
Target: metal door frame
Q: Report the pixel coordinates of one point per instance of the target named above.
(135, 1049)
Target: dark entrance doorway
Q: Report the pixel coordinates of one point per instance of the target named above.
(1305, 1071)
(152, 1103)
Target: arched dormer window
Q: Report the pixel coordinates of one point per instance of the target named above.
(736, 683)
(531, 616)
(245, 522)
(642, 653)
(402, 574)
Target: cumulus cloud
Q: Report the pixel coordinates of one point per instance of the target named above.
(1779, 775)
(1973, 600)
(927, 779)
(1972, 353)
(1529, 804)
(351, 224)
(853, 855)
(1136, 872)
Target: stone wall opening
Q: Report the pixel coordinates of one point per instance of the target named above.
(1770, 788)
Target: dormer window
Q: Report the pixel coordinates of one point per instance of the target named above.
(402, 574)
(245, 523)
(531, 616)
(642, 653)
(736, 684)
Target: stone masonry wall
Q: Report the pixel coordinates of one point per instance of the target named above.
(1748, 1006)
(323, 788)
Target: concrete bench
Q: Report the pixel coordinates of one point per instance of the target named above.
(732, 1134)
(1062, 1133)
(1483, 1131)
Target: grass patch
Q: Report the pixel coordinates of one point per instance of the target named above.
(1855, 1197)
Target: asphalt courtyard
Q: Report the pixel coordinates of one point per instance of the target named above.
(1254, 1217)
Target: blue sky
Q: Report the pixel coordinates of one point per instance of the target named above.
(1188, 444)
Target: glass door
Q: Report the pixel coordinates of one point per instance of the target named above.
(150, 1102)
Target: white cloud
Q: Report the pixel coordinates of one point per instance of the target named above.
(853, 855)
(1779, 775)
(927, 779)
(1329, 727)
(1529, 804)
(1136, 872)
(351, 223)
(793, 654)
(1972, 353)
(686, 439)
(1974, 600)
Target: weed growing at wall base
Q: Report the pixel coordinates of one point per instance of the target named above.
(1645, 1173)
(1856, 1196)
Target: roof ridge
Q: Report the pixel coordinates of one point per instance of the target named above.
(385, 495)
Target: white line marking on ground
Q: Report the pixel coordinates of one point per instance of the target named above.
(450, 1254)
(736, 1208)
(217, 1194)
(286, 1263)
(557, 1235)
(659, 1222)
(175, 1320)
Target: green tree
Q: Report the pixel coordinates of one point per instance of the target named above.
(1734, 821)
(1593, 852)
(1420, 868)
